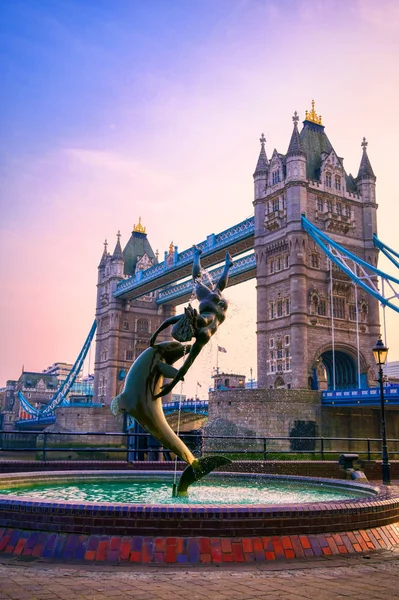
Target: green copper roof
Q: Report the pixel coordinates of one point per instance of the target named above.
(314, 142)
(137, 246)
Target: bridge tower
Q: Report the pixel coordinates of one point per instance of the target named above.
(124, 327)
(306, 337)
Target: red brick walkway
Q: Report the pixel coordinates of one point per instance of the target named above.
(192, 550)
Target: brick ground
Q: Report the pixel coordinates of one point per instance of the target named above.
(354, 578)
(192, 550)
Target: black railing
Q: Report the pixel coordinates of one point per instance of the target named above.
(257, 448)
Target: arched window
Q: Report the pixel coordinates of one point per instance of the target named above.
(279, 382)
(328, 180)
(142, 326)
(337, 182)
(275, 176)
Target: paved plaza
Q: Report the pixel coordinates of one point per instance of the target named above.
(362, 577)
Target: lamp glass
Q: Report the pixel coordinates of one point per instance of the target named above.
(380, 352)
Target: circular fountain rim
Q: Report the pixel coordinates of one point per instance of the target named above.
(369, 492)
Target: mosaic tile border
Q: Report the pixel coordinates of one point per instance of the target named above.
(19, 543)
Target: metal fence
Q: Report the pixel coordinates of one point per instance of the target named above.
(142, 446)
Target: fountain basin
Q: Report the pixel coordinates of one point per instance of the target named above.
(369, 507)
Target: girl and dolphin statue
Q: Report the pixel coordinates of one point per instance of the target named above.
(144, 384)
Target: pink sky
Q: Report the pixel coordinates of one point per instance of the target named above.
(169, 136)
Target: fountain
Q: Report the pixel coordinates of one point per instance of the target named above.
(229, 517)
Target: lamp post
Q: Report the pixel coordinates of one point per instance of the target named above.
(380, 352)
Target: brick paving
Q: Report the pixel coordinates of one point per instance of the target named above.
(356, 578)
(192, 550)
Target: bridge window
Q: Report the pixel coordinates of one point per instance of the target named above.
(320, 204)
(287, 365)
(337, 182)
(287, 353)
(279, 308)
(125, 325)
(347, 210)
(279, 263)
(322, 308)
(328, 180)
(363, 311)
(129, 355)
(339, 208)
(339, 307)
(280, 353)
(287, 306)
(287, 261)
(142, 326)
(275, 177)
(352, 312)
(287, 340)
(315, 260)
(329, 206)
(271, 266)
(271, 310)
(272, 368)
(271, 343)
(276, 204)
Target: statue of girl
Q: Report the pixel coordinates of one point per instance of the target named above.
(202, 324)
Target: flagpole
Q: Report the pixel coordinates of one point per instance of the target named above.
(217, 361)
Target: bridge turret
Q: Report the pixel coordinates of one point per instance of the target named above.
(365, 183)
(117, 261)
(261, 171)
(366, 186)
(296, 155)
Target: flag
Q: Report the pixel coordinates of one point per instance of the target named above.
(220, 349)
(198, 383)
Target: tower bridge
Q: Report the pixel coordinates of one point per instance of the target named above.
(316, 277)
(176, 266)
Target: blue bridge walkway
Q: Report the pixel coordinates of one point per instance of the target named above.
(237, 240)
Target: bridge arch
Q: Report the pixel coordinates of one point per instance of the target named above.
(346, 368)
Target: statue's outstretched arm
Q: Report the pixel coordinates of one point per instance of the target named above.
(224, 278)
(164, 325)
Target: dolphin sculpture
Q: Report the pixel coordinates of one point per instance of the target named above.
(139, 399)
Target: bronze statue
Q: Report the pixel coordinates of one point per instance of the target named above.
(141, 399)
(212, 312)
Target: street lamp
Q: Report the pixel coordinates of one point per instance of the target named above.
(380, 355)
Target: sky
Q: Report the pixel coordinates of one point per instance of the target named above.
(111, 111)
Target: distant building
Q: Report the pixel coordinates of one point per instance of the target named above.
(227, 381)
(60, 370)
(392, 371)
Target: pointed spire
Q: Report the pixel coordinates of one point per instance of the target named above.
(295, 147)
(365, 169)
(104, 256)
(117, 255)
(262, 165)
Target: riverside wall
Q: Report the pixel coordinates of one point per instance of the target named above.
(275, 413)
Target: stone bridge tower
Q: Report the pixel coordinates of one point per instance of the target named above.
(297, 315)
(124, 327)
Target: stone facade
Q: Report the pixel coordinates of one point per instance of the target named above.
(294, 299)
(124, 327)
(291, 413)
